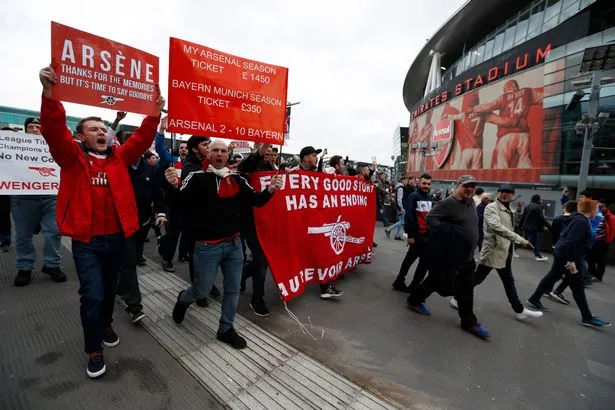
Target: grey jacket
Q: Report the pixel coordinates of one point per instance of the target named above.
(499, 233)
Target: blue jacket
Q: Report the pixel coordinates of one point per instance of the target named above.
(573, 242)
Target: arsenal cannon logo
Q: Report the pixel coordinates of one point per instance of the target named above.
(443, 141)
(336, 232)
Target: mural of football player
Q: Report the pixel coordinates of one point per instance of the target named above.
(424, 138)
(412, 139)
(512, 149)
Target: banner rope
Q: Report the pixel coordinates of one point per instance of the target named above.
(304, 329)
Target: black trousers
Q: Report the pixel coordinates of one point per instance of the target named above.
(416, 251)
(596, 259)
(506, 276)
(128, 281)
(257, 268)
(464, 293)
(575, 281)
(5, 217)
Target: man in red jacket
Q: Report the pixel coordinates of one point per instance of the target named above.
(96, 207)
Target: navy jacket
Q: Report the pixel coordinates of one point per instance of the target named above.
(574, 240)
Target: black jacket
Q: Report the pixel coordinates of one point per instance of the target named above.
(533, 218)
(574, 240)
(559, 223)
(148, 185)
(254, 163)
(448, 248)
(190, 164)
(209, 217)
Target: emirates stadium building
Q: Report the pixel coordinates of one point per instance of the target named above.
(489, 94)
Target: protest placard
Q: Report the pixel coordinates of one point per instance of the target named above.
(26, 167)
(93, 70)
(315, 228)
(218, 94)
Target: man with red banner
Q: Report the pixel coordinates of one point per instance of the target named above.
(213, 201)
(96, 207)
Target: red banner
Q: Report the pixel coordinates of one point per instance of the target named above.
(315, 228)
(222, 95)
(96, 71)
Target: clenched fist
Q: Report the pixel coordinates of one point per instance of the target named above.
(171, 175)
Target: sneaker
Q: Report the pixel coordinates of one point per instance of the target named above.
(596, 322)
(399, 238)
(23, 278)
(594, 279)
(387, 233)
(542, 258)
(453, 303)
(479, 331)
(179, 311)
(232, 338)
(400, 286)
(96, 365)
(110, 338)
(516, 255)
(331, 292)
(135, 317)
(202, 302)
(214, 293)
(56, 274)
(167, 266)
(537, 305)
(559, 297)
(259, 308)
(547, 295)
(182, 259)
(420, 309)
(528, 313)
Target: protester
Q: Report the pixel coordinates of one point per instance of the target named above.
(453, 232)
(400, 200)
(258, 161)
(533, 222)
(382, 198)
(594, 222)
(365, 173)
(336, 166)
(570, 251)
(33, 214)
(605, 233)
(498, 249)
(220, 195)
(478, 195)
(485, 199)
(96, 207)
(415, 224)
(565, 196)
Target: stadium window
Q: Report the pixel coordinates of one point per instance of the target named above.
(522, 28)
(489, 49)
(536, 20)
(569, 9)
(551, 14)
(510, 36)
(498, 42)
(480, 54)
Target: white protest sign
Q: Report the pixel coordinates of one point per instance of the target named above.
(26, 167)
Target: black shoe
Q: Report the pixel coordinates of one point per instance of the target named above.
(167, 266)
(142, 261)
(96, 365)
(537, 305)
(110, 338)
(23, 278)
(215, 293)
(232, 338)
(182, 259)
(374, 244)
(400, 286)
(331, 292)
(399, 238)
(259, 308)
(135, 317)
(56, 274)
(179, 311)
(202, 302)
(387, 233)
(5, 246)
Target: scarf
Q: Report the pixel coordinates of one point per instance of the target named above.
(227, 185)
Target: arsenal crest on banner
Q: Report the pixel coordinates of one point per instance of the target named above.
(443, 134)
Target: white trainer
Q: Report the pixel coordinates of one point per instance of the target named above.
(528, 313)
(542, 258)
(453, 303)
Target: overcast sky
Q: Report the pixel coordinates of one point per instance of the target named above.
(347, 60)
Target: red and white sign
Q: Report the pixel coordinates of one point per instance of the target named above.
(95, 71)
(443, 135)
(219, 94)
(315, 228)
(26, 167)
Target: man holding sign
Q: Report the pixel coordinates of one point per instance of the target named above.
(96, 207)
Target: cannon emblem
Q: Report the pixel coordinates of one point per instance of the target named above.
(44, 171)
(336, 231)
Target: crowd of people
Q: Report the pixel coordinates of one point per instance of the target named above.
(118, 186)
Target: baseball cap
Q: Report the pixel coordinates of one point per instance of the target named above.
(465, 180)
(309, 150)
(506, 188)
(31, 120)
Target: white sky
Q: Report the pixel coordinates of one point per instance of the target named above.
(347, 60)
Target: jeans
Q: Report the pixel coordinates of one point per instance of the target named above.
(398, 226)
(97, 264)
(575, 281)
(5, 219)
(228, 255)
(383, 214)
(597, 259)
(128, 281)
(534, 238)
(464, 293)
(28, 212)
(506, 276)
(168, 243)
(257, 269)
(418, 250)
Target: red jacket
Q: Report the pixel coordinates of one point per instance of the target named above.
(609, 226)
(74, 205)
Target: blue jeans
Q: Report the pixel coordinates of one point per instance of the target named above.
(97, 264)
(206, 258)
(28, 212)
(398, 226)
(534, 238)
